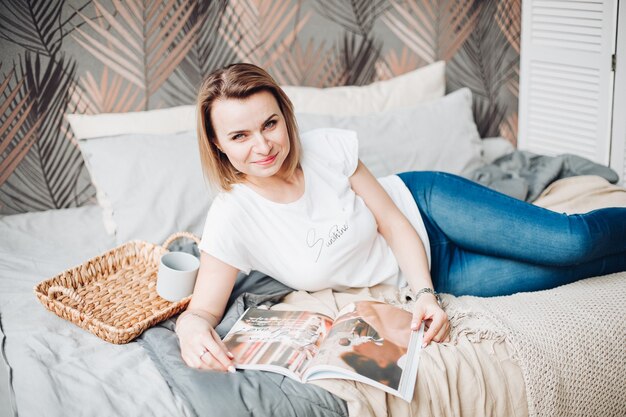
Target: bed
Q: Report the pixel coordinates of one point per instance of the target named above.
(146, 170)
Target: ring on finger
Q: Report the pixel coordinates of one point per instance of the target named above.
(203, 353)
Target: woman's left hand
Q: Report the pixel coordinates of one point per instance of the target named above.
(436, 320)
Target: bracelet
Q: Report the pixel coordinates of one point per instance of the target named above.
(188, 313)
(429, 291)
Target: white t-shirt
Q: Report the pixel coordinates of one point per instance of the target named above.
(328, 238)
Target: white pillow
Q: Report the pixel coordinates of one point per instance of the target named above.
(155, 122)
(423, 84)
(153, 184)
(439, 135)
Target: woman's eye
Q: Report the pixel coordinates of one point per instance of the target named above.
(270, 124)
(238, 136)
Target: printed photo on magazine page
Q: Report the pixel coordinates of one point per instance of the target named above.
(368, 341)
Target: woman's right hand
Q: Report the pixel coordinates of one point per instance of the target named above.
(201, 346)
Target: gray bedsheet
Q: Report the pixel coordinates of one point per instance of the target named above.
(245, 393)
(59, 369)
(56, 368)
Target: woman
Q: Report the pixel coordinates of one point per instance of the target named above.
(307, 212)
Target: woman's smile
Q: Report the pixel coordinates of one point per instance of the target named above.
(267, 161)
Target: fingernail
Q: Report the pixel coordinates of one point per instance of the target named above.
(424, 345)
(230, 355)
(231, 369)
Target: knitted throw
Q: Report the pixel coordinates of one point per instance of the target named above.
(570, 342)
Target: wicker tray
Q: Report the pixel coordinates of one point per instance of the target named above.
(114, 294)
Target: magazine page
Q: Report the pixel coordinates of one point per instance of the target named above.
(278, 341)
(371, 342)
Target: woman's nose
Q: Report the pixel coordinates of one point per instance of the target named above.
(262, 145)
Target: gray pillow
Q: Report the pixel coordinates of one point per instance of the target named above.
(439, 135)
(153, 184)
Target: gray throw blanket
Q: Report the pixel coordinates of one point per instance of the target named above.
(245, 393)
(524, 175)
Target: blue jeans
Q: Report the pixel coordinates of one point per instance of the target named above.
(486, 243)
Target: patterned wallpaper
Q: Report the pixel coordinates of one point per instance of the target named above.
(93, 56)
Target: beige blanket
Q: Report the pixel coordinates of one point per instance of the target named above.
(581, 194)
(549, 353)
(569, 342)
(560, 352)
(471, 377)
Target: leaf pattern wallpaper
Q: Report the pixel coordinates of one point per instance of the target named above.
(102, 56)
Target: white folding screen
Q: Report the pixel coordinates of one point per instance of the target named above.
(566, 77)
(618, 139)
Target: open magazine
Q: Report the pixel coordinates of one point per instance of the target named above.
(369, 341)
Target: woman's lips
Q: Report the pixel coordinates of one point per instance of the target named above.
(266, 161)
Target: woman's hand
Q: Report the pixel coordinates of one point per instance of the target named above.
(427, 309)
(201, 346)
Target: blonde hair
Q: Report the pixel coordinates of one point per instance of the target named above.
(238, 81)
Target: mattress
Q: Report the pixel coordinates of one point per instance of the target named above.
(56, 368)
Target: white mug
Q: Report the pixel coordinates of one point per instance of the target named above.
(177, 275)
